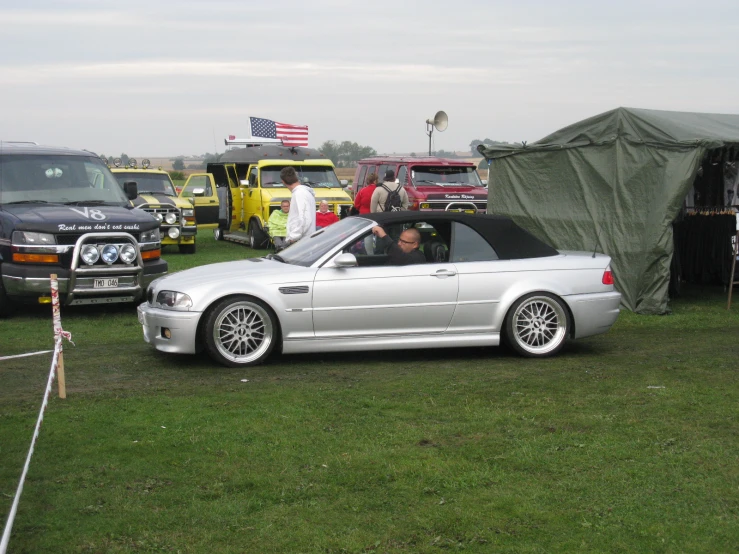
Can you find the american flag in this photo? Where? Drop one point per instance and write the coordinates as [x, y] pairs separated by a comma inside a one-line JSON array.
[[291, 135]]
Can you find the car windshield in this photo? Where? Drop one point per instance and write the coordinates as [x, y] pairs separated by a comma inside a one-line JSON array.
[[61, 179], [309, 250], [445, 176], [314, 176], [156, 183]]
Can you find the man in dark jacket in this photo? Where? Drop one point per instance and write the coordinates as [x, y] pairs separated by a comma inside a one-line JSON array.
[[405, 251]]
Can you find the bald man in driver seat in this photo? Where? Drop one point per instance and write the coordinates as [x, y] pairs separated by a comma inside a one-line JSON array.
[[405, 251]]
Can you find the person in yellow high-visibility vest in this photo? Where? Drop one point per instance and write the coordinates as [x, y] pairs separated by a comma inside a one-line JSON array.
[[277, 225]]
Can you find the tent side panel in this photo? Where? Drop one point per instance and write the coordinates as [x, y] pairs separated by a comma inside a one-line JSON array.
[[620, 196]]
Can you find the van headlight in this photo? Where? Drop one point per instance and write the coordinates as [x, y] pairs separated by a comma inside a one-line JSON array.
[[174, 300], [90, 254], [30, 237], [128, 254], [150, 236]]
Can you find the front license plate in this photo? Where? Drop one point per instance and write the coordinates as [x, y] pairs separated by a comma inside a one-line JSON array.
[[105, 283]]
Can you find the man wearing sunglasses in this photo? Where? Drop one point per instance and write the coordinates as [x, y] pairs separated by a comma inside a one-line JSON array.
[[405, 251]]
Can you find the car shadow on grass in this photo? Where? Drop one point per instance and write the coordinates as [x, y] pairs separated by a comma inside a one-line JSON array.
[[408, 357]]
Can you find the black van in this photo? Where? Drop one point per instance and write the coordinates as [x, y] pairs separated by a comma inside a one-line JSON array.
[[63, 212]]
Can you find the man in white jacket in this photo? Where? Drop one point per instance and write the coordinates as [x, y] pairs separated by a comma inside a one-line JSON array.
[[301, 220]]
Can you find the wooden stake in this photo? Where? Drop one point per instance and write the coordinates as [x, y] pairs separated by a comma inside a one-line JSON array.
[[60, 376], [61, 381]]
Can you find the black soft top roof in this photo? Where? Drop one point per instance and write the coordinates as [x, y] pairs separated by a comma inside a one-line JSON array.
[[510, 241], [253, 154]]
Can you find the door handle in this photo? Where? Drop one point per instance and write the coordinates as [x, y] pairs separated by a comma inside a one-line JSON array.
[[444, 273]]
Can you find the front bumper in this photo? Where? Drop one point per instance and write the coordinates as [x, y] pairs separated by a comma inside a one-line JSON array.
[[33, 281], [187, 235], [183, 328]]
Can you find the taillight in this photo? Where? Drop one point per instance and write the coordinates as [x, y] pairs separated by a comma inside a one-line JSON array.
[[608, 276]]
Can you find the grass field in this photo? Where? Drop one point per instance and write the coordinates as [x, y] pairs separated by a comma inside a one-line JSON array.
[[627, 442]]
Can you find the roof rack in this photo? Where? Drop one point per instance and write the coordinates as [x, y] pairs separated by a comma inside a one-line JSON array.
[[251, 141]]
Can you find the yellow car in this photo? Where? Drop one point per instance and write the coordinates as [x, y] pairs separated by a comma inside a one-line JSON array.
[[249, 187], [176, 213]]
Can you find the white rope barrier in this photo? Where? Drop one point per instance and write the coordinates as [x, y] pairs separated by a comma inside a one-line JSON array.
[[57, 368], [44, 403], [24, 355]]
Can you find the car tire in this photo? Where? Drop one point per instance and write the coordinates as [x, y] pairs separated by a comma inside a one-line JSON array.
[[537, 325], [6, 307], [187, 248], [218, 233], [240, 331]]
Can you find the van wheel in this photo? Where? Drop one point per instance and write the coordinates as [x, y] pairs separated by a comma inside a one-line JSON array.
[[537, 325], [256, 237], [187, 248], [218, 233], [240, 331], [250, 235]]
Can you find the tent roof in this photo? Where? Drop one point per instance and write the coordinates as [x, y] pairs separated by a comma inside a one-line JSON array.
[[653, 127]]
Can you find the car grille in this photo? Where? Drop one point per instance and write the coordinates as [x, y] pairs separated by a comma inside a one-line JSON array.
[[453, 205], [72, 239], [101, 241]]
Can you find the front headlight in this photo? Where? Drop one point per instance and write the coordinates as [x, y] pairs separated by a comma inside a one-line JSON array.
[[109, 254], [128, 254], [89, 254], [174, 300], [29, 237], [150, 236], [188, 213], [170, 218]]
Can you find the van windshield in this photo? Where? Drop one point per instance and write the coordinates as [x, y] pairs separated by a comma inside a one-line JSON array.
[[62, 179], [445, 176], [313, 176], [148, 183]]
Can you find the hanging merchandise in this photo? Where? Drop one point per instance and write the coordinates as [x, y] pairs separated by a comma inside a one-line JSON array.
[[703, 244]]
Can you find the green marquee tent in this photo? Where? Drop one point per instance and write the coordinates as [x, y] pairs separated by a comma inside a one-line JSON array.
[[614, 182]]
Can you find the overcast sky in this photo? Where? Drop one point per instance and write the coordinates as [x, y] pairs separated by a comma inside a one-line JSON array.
[[164, 78]]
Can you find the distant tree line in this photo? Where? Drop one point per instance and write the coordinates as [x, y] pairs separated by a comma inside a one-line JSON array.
[[346, 153]]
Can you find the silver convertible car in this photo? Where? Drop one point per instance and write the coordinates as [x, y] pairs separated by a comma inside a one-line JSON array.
[[476, 280]]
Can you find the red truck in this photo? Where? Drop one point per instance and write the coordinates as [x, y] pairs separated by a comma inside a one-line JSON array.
[[432, 184]]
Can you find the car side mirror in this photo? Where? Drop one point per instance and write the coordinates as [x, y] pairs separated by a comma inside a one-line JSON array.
[[198, 192], [346, 259], [344, 182], [131, 189], [485, 182]]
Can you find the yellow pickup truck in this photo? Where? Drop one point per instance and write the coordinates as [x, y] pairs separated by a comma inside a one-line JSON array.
[[158, 197], [249, 187]]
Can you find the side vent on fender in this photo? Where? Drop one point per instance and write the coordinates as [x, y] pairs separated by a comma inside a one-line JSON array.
[[294, 290]]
